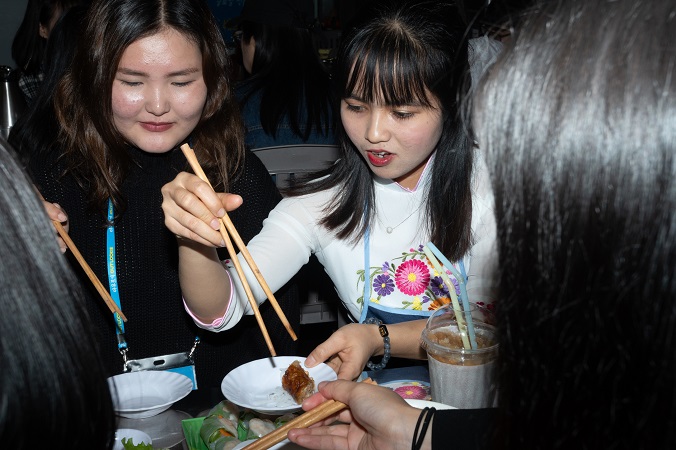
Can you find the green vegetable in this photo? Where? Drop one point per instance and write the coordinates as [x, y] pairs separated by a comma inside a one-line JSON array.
[[129, 445]]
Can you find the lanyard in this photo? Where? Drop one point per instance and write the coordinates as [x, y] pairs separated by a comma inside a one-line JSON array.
[[112, 276]]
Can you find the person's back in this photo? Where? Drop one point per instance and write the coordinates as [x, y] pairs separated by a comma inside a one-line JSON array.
[[53, 389], [36, 130], [30, 41], [578, 125], [286, 99]]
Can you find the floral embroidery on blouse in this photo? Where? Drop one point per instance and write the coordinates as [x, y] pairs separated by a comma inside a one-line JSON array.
[[412, 275]]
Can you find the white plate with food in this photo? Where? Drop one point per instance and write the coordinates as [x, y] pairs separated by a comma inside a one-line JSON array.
[[138, 395], [257, 385]]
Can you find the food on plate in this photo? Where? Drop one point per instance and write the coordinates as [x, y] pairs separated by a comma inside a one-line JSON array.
[[228, 425], [298, 382]]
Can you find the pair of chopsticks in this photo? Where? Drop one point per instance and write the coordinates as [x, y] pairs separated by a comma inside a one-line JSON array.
[[88, 270], [319, 413], [226, 226]]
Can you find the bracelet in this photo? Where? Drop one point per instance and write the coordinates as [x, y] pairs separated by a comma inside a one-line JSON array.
[[418, 440], [382, 329]]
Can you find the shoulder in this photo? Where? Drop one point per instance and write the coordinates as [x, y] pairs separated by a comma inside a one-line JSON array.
[[482, 191], [252, 170], [483, 51]]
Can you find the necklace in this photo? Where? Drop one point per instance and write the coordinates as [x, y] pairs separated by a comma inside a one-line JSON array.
[[390, 229]]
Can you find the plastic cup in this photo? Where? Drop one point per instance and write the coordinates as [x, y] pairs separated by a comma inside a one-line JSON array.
[[461, 377]]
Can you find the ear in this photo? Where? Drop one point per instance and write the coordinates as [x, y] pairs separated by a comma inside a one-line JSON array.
[[43, 32]]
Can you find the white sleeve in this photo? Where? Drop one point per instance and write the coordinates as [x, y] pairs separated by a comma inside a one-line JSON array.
[[282, 247], [482, 263]]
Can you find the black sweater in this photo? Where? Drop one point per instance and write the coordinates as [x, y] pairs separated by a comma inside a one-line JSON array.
[[147, 265]]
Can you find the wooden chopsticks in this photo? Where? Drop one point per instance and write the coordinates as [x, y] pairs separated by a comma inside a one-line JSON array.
[[226, 226], [319, 413], [88, 270]]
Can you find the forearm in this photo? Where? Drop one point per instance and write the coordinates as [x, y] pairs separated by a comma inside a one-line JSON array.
[[404, 340], [205, 283]]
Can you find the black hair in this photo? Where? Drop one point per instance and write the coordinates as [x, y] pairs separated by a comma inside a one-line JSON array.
[[36, 130], [577, 121], [290, 78], [28, 46], [54, 390], [396, 57]]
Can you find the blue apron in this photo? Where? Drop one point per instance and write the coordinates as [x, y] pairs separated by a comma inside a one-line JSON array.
[[387, 314]]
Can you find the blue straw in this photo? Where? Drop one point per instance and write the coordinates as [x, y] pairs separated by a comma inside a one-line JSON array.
[[463, 290]]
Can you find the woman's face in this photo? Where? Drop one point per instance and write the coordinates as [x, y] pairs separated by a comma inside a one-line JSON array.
[[395, 141], [159, 91]]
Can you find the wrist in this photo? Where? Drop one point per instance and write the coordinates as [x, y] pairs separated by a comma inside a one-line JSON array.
[[422, 435], [383, 334]]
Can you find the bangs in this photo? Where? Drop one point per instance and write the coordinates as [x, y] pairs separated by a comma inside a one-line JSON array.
[[387, 74]]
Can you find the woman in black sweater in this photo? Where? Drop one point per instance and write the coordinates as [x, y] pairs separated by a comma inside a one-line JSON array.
[[148, 77]]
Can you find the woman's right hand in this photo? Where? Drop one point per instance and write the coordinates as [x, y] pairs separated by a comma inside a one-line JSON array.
[[348, 349], [56, 213], [192, 209]]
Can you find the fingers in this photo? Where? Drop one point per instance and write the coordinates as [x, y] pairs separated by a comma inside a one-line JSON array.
[[326, 437], [345, 351], [192, 209], [313, 401], [323, 351], [339, 390], [56, 213], [230, 201]]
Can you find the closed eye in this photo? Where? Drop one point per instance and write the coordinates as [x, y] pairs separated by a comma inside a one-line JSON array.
[[131, 83], [354, 108], [403, 114]]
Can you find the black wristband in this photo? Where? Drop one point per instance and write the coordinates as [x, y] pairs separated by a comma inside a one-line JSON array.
[[418, 440], [382, 329]]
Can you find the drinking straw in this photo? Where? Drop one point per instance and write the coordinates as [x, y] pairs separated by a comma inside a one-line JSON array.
[[454, 297], [456, 273], [463, 290]]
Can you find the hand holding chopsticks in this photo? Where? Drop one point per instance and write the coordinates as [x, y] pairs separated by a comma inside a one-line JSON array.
[[305, 420], [227, 230], [88, 270]]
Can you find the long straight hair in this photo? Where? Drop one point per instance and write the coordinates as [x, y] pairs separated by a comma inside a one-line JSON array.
[[402, 53], [95, 151], [578, 122], [53, 389], [292, 82]]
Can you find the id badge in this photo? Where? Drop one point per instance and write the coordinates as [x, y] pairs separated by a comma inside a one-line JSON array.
[[177, 362]]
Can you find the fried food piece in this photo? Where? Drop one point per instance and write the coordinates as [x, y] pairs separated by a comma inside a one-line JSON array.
[[298, 382]]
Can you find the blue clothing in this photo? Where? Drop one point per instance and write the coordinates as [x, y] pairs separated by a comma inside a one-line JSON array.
[[256, 137]]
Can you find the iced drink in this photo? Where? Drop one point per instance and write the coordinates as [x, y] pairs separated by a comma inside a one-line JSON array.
[[460, 377]]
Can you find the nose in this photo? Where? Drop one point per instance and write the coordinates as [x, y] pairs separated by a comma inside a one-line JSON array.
[[376, 129], [157, 102]]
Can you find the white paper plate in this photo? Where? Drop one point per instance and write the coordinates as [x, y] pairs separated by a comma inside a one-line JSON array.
[[137, 436], [257, 385], [138, 395], [420, 404]]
